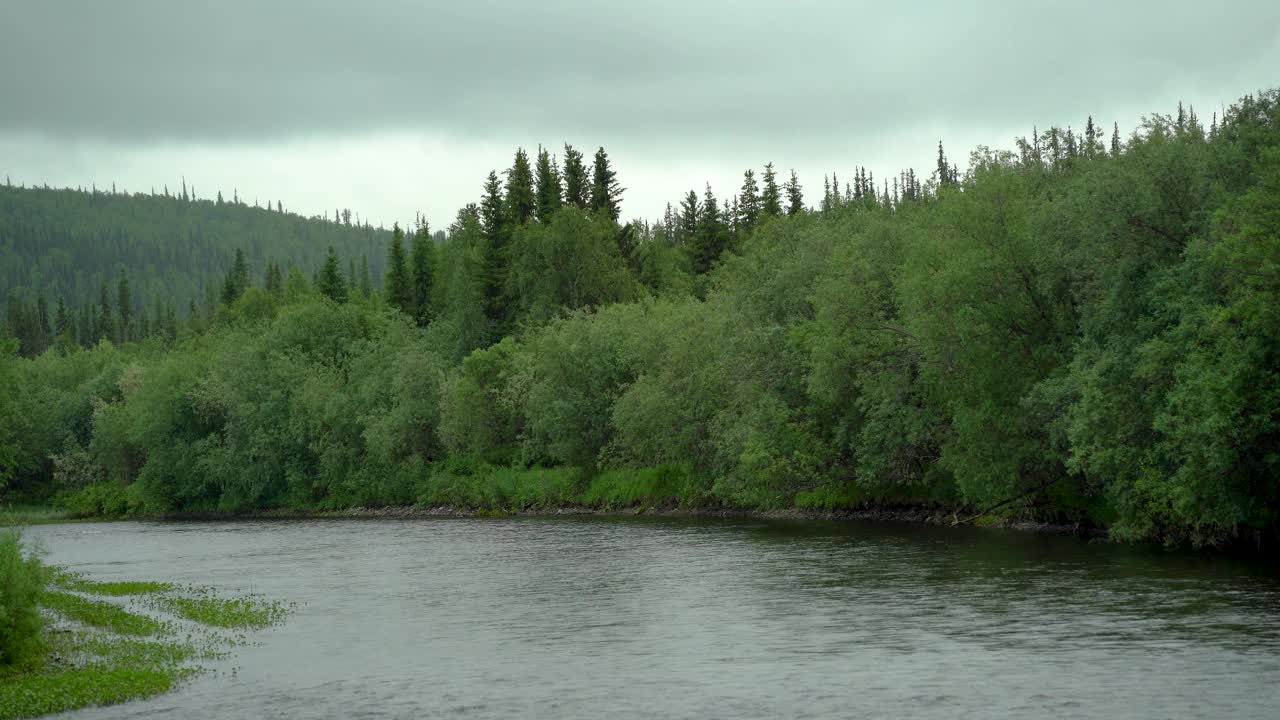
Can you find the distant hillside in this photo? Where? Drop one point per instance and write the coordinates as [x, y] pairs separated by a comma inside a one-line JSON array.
[[65, 243]]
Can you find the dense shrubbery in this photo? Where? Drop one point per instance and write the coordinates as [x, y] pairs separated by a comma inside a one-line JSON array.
[[1092, 334], [22, 582]]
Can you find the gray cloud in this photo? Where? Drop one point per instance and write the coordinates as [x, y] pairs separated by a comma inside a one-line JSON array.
[[143, 71]]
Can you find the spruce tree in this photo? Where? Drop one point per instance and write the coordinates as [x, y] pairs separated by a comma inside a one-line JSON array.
[[690, 214], [771, 199], [795, 195], [549, 192], [124, 308], [606, 193], [575, 178], [493, 223], [944, 168], [521, 203], [237, 279], [366, 283], [712, 236], [330, 281], [106, 327], [747, 210], [421, 263], [1115, 140], [396, 283]]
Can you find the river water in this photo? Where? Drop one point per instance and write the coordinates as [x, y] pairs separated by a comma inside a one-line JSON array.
[[662, 618]]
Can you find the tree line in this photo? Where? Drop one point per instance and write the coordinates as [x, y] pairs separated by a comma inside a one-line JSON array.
[[1073, 330]]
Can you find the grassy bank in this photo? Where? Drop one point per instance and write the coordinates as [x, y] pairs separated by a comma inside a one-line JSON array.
[[101, 643]]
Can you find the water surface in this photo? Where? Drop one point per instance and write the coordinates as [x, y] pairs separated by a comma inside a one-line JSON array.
[[630, 618]]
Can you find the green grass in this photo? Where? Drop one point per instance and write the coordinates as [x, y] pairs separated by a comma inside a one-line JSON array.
[[252, 613], [111, 655], [78, 582], [101, 614], [12, 515], [86, 669]]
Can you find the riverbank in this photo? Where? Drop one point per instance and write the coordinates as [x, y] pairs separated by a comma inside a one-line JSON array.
[[932, 515]]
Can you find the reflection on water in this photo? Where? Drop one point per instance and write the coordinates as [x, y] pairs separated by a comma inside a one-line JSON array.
[[589, 618]]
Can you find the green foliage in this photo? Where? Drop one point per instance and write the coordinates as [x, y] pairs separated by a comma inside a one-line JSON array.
[[1057, 333], [22, 588]]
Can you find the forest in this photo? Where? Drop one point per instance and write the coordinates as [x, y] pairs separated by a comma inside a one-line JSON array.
[[1083, 329]]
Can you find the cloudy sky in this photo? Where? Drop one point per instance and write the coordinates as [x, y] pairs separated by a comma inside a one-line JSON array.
[[391, 107]]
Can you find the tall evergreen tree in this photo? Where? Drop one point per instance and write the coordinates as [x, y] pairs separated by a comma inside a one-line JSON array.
[[124, 308], [396, 283], [521, 203], [105, 324], [549, 192], [690, 214], [795, 195], [576, 187], [712, 237], [771, 198], [747, 204], [1115, 140], [330, 281], [366, 282], [606, 193], [493, 223], [422, 266], [237, 279], [944, 168]]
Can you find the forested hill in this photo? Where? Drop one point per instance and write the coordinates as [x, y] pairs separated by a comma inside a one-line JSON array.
[[67, 244]]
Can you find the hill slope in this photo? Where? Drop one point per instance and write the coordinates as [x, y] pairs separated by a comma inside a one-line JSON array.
[[66, 243]]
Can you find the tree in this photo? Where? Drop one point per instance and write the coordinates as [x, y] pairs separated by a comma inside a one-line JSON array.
[[106, 326], [771, 198], [521, 203], [748, 204], [575, 178], [330, 281], [124, 308], [690, 212], [944, 168], [606, 193], [366, 282], [1115, 140], [274, 281], [397, 284], [712, 237], [421, 264], [549, 192], [237, 279], [493, 221], [795, 195]]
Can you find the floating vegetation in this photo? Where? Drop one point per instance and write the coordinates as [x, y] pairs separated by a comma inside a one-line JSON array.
[[77, 581], [203, 606], [144, 639]]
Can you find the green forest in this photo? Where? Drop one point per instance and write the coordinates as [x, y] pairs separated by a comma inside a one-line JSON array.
[[1084, 329]]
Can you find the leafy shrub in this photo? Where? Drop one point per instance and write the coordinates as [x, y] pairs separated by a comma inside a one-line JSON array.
[[22, 581]]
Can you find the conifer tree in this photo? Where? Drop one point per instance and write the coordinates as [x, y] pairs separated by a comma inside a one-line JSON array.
[[1115, 140], [521, 204], [606, 193], [105, 324], [944, 168], [689, 218], [549, 192], [62, 321], [124, 308], [575, 178], [422, 263], [366, 282], [747, 204], [396, 283], [712, 236], [771, 199], [274, 281], [493, 223], [237, 279], [330, 281], [795, 195]]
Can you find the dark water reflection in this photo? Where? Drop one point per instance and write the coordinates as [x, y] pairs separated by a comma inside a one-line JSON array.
[[589, 618]]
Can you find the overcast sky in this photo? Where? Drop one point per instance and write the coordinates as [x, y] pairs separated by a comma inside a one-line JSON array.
[[390, 107]]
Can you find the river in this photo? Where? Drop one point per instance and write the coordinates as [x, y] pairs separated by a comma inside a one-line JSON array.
[[697, 618]]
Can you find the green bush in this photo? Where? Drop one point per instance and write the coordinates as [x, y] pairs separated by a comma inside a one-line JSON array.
[[22, 581]]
